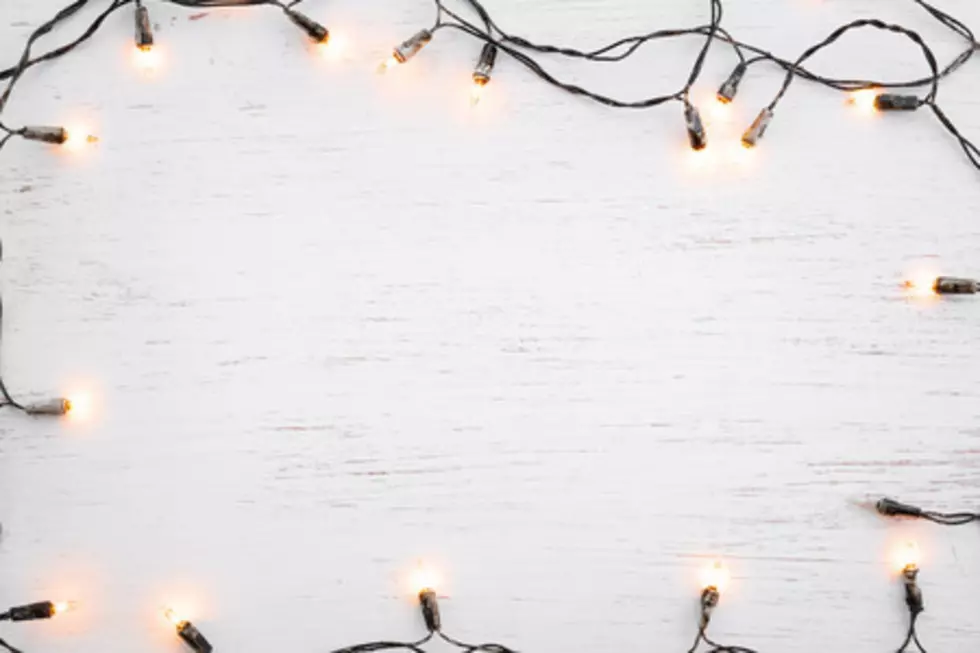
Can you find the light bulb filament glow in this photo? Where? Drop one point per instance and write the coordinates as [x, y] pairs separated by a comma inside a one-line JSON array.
[[715, 576]]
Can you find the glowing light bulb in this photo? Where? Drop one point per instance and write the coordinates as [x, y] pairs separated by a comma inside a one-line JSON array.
[[173, 617], [424, 578], [483, 71], [146, 58], [406, 50], [721, 111], [189, 633], [76, 139], [863, 100], [922, 283], [330, 49], [909, 556], [80, 406], [476, 93], [715, 576], [387, 64]]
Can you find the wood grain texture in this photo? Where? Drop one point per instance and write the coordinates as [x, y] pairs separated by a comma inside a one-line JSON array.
[[333, 323]]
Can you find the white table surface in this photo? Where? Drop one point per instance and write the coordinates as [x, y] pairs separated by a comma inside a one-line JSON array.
[[331, 323]]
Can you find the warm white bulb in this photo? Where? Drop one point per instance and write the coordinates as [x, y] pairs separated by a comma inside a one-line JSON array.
[[390, 62], [716, 576]]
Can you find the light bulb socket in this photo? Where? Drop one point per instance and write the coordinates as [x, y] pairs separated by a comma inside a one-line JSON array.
[[317, 32], [695, 127], [895, 102], [891, 508], [193, 637], [709, 601], [54, 407], [144, 33], [33, 611], [411, 46], [955, 286], [728, 90], [53, 135], [430, 610], [758, 128], [913, 594], [484, 67]]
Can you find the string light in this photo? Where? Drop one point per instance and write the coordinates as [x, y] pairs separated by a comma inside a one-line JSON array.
[[428, 603], [927, 285], [757, 129], [496, 40], [895, 102], [144, 33], [406, 50], [188, 632], [36, 611], [695, 128], [864, 100], [730, 87], [892, 508], [482, 72], [518, 48], [956, 286], [317, 32], [53, 135], [714, 579], [55, 407], [909, 557], [913, 594]]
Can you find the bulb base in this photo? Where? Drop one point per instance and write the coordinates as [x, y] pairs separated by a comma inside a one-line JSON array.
[[33, 611], [430, 610], [317, 32], [757, 129], [913, 595], [955, 286], [144, 33], [193, 637], [484, 67], [710, 597], [53, 135], [54, 407], [695, 128], [895, 102], [728, 90], [410, 47]]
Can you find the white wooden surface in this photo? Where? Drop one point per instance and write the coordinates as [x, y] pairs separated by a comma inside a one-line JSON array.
[[333, 323]]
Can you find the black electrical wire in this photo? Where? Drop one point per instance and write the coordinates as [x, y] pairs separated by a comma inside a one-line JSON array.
[[511, 44], [716, 647], [45, 28], [9, 648], [892, 508], [911, 636], [840, 31], [475, 648], [370, 647], [532, 65], [634, 42], [26, 62], [969, 148]]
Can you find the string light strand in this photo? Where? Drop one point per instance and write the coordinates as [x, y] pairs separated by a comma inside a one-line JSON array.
[[892, 508]]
